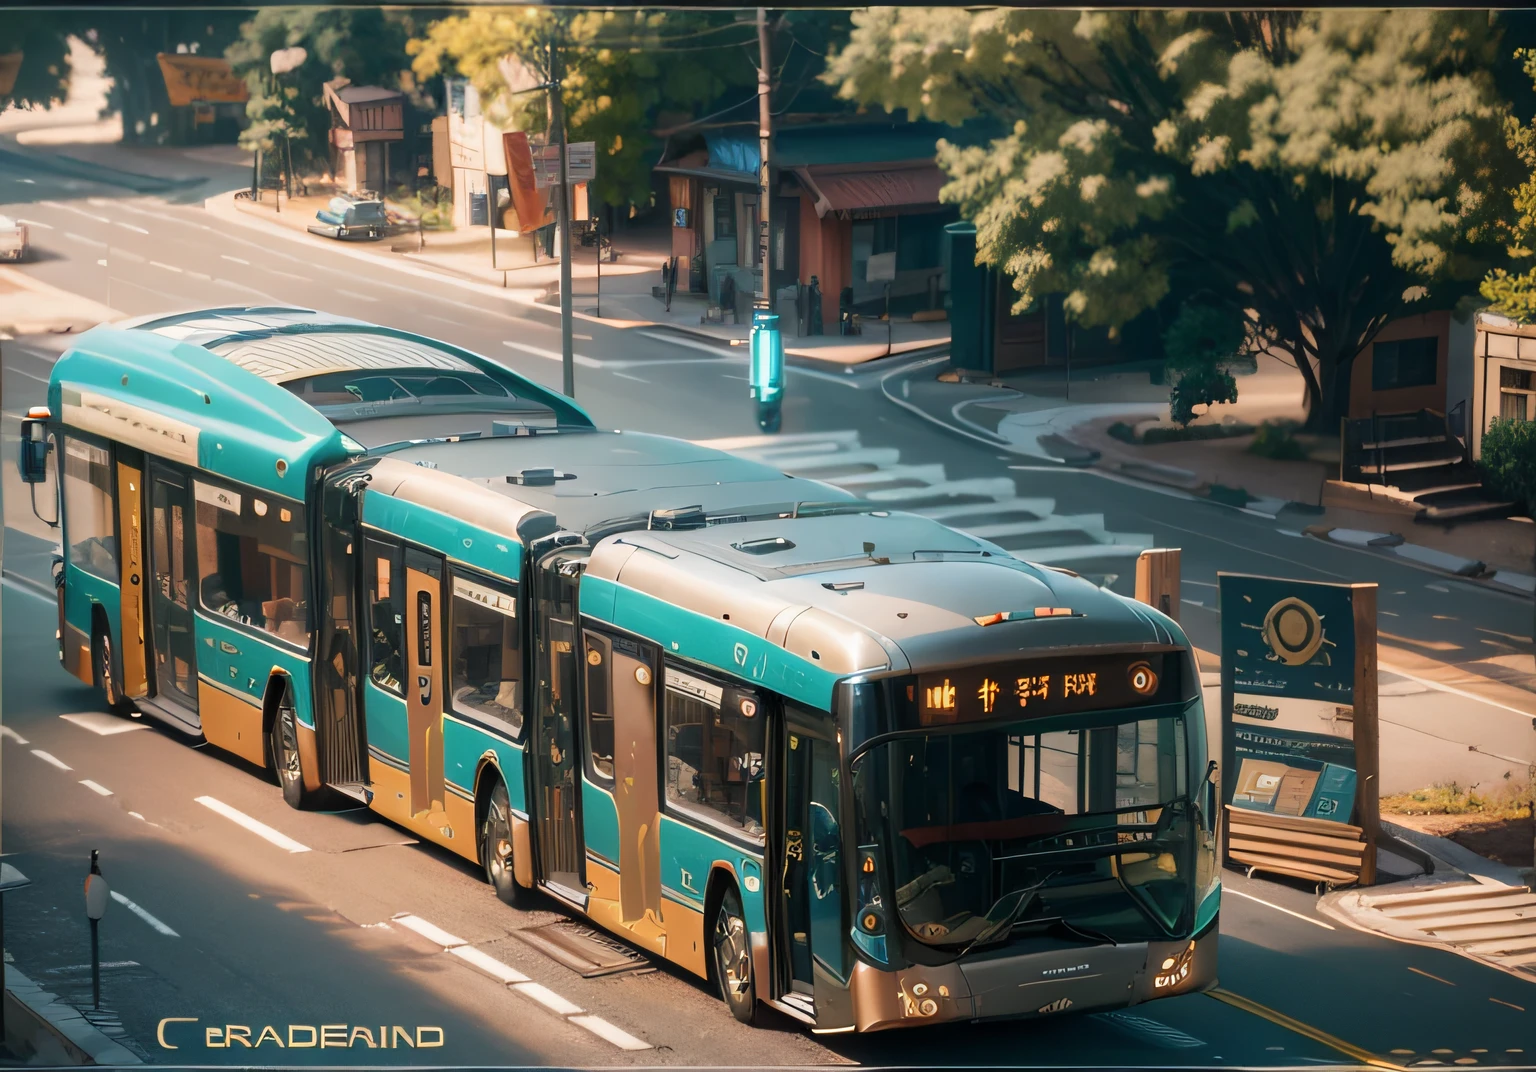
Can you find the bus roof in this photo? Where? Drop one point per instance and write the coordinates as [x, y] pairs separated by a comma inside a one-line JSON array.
[[237, 390]]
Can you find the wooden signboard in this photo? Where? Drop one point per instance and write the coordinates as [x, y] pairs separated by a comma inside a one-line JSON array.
[[1157, 580], [1299, 746], [200, 79]]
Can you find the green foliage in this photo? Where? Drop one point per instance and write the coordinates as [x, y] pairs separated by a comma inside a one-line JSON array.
[[1189, 433], [1122, 431], [1197, 347], [129, 40], [1509, 461], [1326, 171], [365, 45], [42, 39], [1514, 293], [1207, 386], [1276, 440], [625, 71]]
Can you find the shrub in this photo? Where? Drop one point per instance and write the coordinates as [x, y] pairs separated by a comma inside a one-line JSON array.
[[1191, 433], [1199, 344], [1123, 432], [1509, 461], [1276, 440]]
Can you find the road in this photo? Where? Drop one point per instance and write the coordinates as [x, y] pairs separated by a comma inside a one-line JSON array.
[[267, 935]]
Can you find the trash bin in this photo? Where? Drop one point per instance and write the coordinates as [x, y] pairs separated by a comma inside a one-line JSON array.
[[972, 290]]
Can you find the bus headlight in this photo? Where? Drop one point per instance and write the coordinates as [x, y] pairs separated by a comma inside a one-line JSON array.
[[1175, 969]]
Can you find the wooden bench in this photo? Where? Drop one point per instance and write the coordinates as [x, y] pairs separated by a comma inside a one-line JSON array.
[[1317, 850]]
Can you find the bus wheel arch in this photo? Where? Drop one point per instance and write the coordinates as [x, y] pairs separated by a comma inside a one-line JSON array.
[[494, 838], [280, 724], [729, 939], [102, 675]]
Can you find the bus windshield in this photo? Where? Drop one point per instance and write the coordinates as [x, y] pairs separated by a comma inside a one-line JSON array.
[[1082, 826]]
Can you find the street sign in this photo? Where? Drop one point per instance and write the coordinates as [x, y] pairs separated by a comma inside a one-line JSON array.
[[580, 163]]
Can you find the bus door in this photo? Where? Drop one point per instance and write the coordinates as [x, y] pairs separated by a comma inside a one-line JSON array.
[[338, 712], [554, 757], [424, 684], [812, 940], [171, 560], [131, 642]]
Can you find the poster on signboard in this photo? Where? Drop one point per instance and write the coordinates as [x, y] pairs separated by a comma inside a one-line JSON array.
[[193, 79], [1289, 654]]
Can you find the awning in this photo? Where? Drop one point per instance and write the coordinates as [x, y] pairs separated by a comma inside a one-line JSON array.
[[849, 188]]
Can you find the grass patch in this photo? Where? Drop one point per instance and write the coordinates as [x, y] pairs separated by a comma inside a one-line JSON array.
[[1276, 440], [1502, 802]]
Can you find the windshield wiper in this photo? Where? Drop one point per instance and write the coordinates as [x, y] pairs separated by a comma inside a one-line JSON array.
[[1026, 897]]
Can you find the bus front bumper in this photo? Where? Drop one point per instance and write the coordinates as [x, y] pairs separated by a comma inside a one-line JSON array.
[[1024, 985]]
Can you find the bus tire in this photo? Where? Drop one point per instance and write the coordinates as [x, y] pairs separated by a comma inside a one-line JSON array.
[[731, 945], [495, 840], [101, 655], [287, 763]]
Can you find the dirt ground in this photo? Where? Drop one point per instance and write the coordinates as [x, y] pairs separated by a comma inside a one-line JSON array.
[[1505, 841]]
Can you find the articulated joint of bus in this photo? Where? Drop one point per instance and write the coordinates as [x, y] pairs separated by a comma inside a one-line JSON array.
[[1032, 985]]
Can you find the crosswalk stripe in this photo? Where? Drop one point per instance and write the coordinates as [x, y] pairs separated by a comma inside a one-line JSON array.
[[743, 443], [987, 487], [928, 474], [1036, 507]]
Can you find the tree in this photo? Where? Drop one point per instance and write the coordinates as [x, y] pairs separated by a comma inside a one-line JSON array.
[[1317, 173], [366, 45], [1514, 293], [1199, 345], [623, 69], [130, 41], [42, 40]]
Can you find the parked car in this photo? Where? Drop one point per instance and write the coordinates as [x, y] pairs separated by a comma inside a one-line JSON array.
[[13, 239], [347, 217]]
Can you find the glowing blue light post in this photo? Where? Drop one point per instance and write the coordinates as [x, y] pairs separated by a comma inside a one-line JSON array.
[[767, 375]]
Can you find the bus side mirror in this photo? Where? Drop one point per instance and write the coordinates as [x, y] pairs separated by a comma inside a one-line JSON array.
[[33, 461]]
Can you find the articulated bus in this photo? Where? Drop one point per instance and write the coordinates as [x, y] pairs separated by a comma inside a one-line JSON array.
[[836, 759]]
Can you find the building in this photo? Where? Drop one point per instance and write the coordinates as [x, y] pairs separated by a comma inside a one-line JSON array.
[[365, 121], [846, 191]]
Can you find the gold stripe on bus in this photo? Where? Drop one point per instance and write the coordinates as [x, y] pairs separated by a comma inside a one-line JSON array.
[[128, 424], [130, 490], [230, 722]]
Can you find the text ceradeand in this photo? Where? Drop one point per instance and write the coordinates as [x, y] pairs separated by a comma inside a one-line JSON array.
[[300, 1036]]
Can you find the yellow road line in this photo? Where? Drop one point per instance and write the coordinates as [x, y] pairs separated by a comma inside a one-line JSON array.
[[1348, 1049], [1436, 978]]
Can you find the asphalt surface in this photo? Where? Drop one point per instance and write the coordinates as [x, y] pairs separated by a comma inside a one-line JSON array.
[[264, 935]]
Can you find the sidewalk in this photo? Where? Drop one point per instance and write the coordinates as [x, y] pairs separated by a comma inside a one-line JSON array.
[[618, 293], [31, 307], [40, 1028]]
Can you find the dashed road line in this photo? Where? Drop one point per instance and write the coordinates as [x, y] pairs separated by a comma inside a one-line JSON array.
[[430, 931], [355, 295], [7, 732], [144, 914], [1277, 908], [51, 759], [237, 260], [1333, 1042], [102, 725], [131, 227], [1517, 1008], [502, 973], [167, 267], [1436, 978], [548, 998], [260, 829], [552, 355], [609, 1033], [96, 787]]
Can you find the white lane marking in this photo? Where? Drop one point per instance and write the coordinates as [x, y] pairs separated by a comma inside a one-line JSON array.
[[431, 932], [96, 787], [627, 376], [167, 267], [104, 725], [488, 964], [35, 223], [548, 998], [355, 294], [237, 260], [77, 210], [51, 759], [290, 275], [139, 817], [608, 1033], [552, 355], [102, 262], [1277, 908], [144, 915], [1389, 668], [1291, 532], [260, 829], [584, 338], [87, 967], [131, 227], [1192, 602], [6, 731], [81, 238]]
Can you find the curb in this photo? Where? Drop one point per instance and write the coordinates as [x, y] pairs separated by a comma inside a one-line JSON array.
[[54, 1032], [1392, 545]]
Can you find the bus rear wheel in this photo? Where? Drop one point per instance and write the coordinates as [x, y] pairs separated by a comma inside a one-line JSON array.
[[115, 702], [496, 849], [733, 958], [286, 760]]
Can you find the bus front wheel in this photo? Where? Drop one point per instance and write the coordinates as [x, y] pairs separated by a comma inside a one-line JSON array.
[[733, 958], [286, 761], [496, 849], [104, 678]]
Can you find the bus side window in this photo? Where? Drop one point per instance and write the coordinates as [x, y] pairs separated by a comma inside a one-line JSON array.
[[599, 656], [88, 507], [386, 615], [715, 746], [486, 652], [253, 560]]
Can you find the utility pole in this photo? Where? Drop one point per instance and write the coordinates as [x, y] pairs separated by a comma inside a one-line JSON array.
[[764, 169], [563, 210]]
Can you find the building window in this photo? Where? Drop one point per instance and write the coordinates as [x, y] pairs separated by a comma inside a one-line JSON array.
[[1404, 363], [599, 653], [487, 653], [88, 509], [253, 561], [1515, 392], [386, 616], [715, 744]]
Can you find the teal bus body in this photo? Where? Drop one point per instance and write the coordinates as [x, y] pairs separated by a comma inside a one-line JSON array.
[[455, 509]]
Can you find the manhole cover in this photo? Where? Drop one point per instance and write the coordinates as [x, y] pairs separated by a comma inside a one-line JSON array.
[[583, 949]]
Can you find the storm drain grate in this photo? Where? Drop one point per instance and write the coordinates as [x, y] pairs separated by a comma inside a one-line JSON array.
[[588, 952]]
